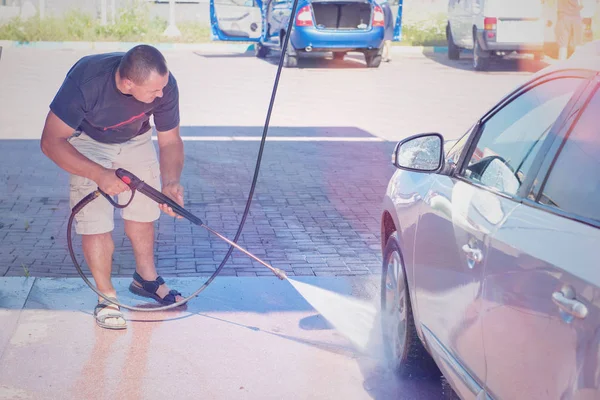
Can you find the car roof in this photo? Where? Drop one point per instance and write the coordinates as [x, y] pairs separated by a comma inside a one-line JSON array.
[[587, 57]]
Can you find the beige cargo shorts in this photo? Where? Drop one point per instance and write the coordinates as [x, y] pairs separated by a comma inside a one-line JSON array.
[[137, 156]]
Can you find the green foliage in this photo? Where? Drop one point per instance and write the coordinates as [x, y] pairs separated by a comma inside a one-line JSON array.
[[429, 32], [133, 24]]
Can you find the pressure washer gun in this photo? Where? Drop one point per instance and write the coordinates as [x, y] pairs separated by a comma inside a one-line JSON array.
[[136, 184]]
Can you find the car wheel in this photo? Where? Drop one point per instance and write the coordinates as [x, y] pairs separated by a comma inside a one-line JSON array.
[[481, 58], [261, 51], [339, 56], [373, 60], [403, 348], [453, 49], [289, 60]]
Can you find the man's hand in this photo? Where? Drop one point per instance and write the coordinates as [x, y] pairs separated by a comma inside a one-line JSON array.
[[171, 164], [110, 184], [174, 191]]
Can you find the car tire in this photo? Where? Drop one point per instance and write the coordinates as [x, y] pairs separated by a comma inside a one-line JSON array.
[[373, 60], [481, 58], [453, 49], [405, 353], [289, 60], [261, 51], [339, 56]]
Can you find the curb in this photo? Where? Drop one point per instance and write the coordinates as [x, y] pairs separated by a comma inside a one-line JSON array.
[[220, 47], [418, 49]]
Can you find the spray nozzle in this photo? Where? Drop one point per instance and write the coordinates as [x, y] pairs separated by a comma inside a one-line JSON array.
[[279, 273]]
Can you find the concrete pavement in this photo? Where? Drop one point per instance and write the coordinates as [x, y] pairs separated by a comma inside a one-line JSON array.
[[316, 212], [242, 338]]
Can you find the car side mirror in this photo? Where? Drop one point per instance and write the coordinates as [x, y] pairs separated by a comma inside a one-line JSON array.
[[420, 153]]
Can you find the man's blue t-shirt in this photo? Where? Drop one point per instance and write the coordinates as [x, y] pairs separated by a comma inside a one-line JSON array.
[[89, 101]]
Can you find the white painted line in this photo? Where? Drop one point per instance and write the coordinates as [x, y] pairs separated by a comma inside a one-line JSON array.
[[277, 139]]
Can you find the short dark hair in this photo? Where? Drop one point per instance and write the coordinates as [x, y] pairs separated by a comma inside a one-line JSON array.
[[139, 62]]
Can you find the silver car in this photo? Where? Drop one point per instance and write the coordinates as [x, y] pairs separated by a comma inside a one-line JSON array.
[[491, 245]]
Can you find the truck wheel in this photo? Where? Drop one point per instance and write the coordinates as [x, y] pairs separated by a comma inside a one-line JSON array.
[[453, 49], [481, 58]]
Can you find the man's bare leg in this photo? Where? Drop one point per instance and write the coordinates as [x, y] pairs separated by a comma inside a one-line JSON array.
[[141, 235], [98, 251], [562, 53]]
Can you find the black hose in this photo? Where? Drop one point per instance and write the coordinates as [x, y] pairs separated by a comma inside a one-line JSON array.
[[92, 196]]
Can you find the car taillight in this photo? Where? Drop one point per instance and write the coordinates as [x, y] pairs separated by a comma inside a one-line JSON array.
[[304, 17], [489, 24], [378, 18]]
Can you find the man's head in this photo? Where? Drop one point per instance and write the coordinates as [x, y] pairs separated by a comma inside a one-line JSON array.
[[143, 73]]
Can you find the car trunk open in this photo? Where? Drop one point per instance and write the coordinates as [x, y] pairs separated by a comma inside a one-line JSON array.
[[346, 15]]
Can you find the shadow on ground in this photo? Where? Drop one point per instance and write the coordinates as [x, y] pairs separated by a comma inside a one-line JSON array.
[[235, 323], [311, 61], [521, 63], [315, 209]]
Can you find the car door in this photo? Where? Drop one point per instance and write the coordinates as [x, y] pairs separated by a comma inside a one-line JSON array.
[[541, 324], [461, 213], [236, 20], [468, 21], [278, 14], [456, 16], [396, 6]]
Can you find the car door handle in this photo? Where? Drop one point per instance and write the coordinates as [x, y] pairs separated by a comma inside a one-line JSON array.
[[570, 306], [472, 254]]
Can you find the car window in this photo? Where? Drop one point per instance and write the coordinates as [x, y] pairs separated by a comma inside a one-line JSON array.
[[454, 150], [512, 137], [574, 181]]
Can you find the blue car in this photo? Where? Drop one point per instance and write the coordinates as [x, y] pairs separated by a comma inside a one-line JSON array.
[[319, 27]]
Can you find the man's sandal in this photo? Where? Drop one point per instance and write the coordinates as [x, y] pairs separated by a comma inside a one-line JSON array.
[[149, 288], [101, 318]]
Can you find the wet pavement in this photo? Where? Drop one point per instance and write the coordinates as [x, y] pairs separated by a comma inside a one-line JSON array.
[[243, 338]]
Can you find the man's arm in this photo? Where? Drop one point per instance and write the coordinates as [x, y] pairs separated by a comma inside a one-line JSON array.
[[170, 148], [54, 145]]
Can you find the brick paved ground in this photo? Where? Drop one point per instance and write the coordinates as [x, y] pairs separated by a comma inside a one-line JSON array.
[[316, 209], [317, 203]]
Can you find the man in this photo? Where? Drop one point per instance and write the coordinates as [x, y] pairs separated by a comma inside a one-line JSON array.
[[389, 30], [98, 122]]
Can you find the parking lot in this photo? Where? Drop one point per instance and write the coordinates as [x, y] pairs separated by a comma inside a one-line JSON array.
[[325, 167], [315, 215]]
